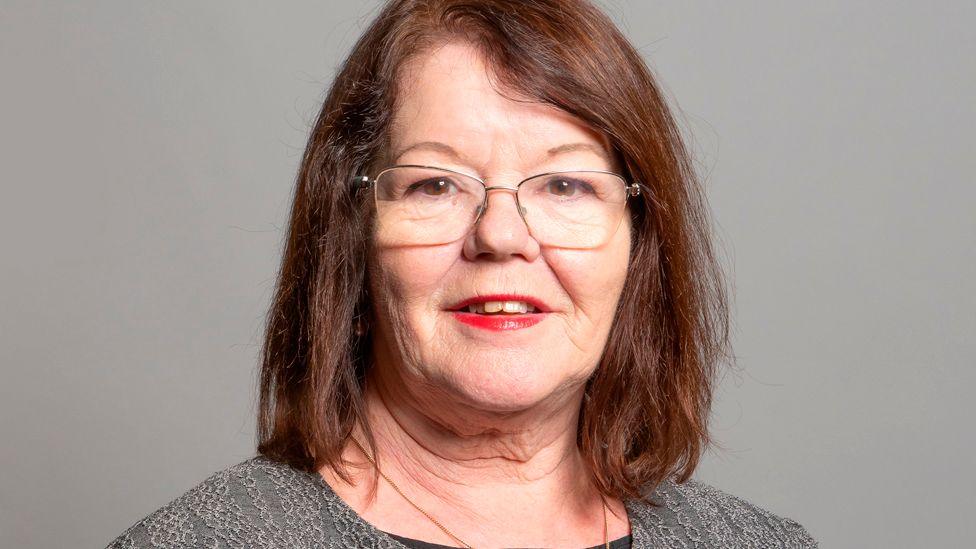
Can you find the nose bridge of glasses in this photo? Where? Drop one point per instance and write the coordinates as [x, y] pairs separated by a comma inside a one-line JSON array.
[[484, 204]]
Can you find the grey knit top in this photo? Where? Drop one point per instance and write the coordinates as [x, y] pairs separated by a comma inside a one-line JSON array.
[[262, 503]]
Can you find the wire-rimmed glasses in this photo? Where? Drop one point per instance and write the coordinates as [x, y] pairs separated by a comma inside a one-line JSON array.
[[427, 205]]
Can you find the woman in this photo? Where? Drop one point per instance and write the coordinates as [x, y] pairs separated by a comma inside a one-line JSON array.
[[498, 319]]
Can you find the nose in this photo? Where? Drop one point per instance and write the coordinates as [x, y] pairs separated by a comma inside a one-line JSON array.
[[500, 232]]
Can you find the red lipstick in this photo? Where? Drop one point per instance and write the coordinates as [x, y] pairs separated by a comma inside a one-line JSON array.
[[500, 321]]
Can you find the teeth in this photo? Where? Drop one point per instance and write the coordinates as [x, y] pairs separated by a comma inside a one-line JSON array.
[[512, 307]]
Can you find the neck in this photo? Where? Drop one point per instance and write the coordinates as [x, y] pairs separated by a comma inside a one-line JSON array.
[[462, 452], [491, 478]]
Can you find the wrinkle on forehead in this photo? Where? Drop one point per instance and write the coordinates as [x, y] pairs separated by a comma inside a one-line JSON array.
[[502, 125]]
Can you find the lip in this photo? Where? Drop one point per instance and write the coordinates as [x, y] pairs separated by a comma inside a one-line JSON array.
[[539, 305], [503, 321], [500, 322]]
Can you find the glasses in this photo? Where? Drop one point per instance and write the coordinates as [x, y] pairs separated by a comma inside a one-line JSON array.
[[426, 205]]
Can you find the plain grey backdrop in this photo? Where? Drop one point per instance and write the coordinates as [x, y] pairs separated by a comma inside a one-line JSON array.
[[149, 151]]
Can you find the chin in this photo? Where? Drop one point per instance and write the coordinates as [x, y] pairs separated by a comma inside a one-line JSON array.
[[505, 388]]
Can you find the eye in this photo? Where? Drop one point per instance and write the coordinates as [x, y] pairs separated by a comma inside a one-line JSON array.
[[567, 187], [432, 187]]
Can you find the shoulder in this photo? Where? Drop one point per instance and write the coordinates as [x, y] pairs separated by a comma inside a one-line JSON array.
[[695, 514], [255, 503]]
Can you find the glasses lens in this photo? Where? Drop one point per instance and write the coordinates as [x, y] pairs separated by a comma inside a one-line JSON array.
[[417, 205], [573, 209]]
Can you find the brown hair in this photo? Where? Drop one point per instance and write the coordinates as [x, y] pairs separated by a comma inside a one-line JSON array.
[[645, 414]]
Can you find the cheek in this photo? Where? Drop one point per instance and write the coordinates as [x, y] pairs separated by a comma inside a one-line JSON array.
[[592, 279], [593, 289], [413, 278]]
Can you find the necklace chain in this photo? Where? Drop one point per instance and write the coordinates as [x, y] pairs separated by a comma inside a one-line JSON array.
[[606, 534]]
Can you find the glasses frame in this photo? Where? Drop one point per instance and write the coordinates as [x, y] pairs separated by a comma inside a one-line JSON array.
[[359, 182]]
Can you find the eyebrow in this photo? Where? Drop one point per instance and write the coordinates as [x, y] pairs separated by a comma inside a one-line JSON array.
[[443, 148]]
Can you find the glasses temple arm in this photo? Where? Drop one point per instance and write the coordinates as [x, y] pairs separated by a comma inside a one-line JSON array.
[[634, 189], [359, 182]]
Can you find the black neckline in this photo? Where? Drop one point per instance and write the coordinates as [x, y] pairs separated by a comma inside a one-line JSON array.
[[421, 544]]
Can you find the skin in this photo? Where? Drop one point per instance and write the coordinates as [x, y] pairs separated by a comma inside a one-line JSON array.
[[478, 427]]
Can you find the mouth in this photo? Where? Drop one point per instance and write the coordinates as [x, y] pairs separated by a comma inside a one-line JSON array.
[[499, 312], [500, 304]]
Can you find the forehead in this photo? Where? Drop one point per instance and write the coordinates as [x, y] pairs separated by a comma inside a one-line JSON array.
[[447, 97]]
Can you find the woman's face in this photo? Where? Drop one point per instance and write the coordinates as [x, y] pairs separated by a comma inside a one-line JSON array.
[[419, 343]]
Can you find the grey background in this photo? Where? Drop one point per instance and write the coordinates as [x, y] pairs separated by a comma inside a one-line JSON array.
[[149, 151]]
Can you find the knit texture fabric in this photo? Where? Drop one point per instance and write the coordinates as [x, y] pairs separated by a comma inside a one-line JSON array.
[[263, 503]]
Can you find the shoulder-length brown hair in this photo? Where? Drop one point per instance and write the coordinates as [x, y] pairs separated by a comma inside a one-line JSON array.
[[646, 409]]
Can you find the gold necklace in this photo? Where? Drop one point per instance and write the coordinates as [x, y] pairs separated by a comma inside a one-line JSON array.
[[606, 534]]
